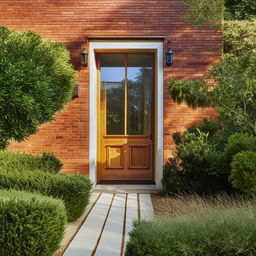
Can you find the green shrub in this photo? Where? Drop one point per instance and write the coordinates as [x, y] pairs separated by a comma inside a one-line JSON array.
[[36, 82], [239, 37], [206, 126], [51, 162], [240, 9], [220, 232], [31, 224], [243, 171], [74, 190], [195, 167], [239, 142], [27, 162]]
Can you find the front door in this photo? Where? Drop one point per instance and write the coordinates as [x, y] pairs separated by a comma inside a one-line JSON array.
[[125, 116]]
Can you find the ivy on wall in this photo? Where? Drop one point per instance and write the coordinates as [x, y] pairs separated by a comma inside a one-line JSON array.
[[202, 12]]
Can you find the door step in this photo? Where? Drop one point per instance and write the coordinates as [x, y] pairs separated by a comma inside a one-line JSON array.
[[126, 189]]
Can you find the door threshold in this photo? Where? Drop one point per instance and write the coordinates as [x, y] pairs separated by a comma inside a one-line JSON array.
[[126, 188], [126, 182]]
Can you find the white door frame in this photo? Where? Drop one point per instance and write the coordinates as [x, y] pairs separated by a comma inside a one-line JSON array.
[[114, 45]]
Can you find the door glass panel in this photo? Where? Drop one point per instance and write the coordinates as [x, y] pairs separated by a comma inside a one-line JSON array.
[[112, 79], [139, 89]]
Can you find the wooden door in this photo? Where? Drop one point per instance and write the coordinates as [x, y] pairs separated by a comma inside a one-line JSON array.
[[125, 116]]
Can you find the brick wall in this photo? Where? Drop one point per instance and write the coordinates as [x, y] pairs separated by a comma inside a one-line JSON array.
[[70, 21]]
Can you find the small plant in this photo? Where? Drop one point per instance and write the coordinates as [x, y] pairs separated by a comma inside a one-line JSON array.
[[31, 224]]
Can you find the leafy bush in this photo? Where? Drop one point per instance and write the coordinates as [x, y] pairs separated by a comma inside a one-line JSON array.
[[239, 142], [196, 166], [31, 224], [243, 171], [27, 162], [222, 232], [240, 9], [239, 37], [51, 162], [36, 82], [206, 126], [217, 130], [74, 190]]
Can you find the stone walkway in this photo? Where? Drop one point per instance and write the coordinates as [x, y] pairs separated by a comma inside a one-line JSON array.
[[106, 228]]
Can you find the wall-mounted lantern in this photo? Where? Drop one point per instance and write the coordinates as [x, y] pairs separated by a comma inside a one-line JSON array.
[[75, 91], [83, 55], [169, 54]]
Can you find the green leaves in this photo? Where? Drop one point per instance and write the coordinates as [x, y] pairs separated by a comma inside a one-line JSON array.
[[193, 92], [31, 224], [214, 231], [202, 12], [239, 37], [74, 190], [14, 161], [36, 81], [234, 93], [240, 9], [243, 171]]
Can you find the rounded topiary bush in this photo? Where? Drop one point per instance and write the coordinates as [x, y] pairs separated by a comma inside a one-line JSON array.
[[36, 82], [12, 161], [73, 189], [239, 142], [243, 171], [31, 224]]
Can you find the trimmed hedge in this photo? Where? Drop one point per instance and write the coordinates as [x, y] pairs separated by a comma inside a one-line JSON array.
[[243, 171], [239, 142], [74, 190], [31, 224], [220, 232], [27, 162]]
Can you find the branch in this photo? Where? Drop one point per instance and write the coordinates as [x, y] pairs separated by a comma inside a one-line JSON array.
[[242, 117]]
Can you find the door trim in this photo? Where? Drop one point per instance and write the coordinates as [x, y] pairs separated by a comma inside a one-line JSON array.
[[96, 46]]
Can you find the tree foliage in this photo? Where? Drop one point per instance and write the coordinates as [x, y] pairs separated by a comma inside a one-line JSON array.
[[36, 81], [240, 9], [204, 11], [234, 95], [200, 12], [239, 37]]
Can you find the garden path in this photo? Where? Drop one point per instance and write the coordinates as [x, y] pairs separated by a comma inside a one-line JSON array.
[[105, 231]]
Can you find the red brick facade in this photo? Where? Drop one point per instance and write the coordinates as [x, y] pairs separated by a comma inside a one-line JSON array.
[[70, 21]]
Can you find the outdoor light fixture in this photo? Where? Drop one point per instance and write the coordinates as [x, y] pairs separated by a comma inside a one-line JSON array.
[[84, 55], [169, 54], [75, 91]]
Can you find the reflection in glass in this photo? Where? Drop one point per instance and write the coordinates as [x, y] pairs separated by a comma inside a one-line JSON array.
[[112, 77], [139, 88]]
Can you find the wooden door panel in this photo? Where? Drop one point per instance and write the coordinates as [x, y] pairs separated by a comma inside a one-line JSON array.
[[114, 156], [139, 156]]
